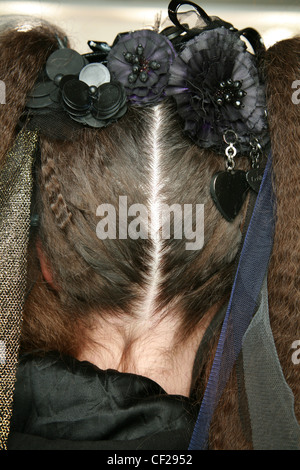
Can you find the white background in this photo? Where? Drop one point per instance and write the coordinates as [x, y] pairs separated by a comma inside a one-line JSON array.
[[102, 20]]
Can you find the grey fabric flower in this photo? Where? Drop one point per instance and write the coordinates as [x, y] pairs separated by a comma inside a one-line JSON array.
[[141, 62], [216, 86]]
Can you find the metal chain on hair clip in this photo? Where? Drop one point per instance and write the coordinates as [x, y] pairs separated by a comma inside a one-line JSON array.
[[255, 175], [256, 152], [230, 151]]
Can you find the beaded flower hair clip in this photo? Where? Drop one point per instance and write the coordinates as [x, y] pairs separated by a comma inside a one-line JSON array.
[[208, 70]]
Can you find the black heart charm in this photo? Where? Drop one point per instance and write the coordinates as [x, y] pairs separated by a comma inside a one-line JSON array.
[[228, 190], [254, 178]]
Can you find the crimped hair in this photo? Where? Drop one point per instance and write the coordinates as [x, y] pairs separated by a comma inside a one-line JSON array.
[[146, 157]]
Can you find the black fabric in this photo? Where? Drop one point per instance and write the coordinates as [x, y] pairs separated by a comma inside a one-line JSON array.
[[60, 402], [167, 440]]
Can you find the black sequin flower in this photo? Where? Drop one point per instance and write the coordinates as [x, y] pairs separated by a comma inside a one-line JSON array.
[[141, 62], [216, 86], [93, 106]]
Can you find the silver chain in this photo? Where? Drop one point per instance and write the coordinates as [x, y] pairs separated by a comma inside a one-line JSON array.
[[230, 151]]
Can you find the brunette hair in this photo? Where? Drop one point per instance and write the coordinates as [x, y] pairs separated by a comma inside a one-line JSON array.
[[146, 157]]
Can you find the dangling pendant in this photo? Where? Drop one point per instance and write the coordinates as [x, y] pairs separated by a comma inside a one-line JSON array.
[[229, 188], [254, 178], [255, 175], [229, 191]]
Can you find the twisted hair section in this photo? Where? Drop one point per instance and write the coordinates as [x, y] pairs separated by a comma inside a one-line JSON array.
[[56, 199]]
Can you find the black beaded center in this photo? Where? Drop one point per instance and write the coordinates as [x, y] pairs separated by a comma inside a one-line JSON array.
[[230, 92], [140, 65]]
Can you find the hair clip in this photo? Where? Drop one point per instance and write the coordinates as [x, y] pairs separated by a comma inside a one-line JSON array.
[[173, 8], [100, 52], [207, 70], [209, 22]]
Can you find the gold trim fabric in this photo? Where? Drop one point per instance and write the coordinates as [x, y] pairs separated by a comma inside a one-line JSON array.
[[15, 201]]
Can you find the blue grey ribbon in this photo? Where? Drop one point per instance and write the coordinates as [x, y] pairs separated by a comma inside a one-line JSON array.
[[244, 300], [270, 400]]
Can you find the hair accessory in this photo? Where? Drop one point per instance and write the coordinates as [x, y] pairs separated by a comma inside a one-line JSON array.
[[94, 75], [174, 6], [244, 300], [64, 61], [207, 70], [83, 90], [229, 188], [216, 86], [255, 175], [141, 61]]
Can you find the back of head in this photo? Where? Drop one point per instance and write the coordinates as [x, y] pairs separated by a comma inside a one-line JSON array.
[[120, 177], [142, 159]]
